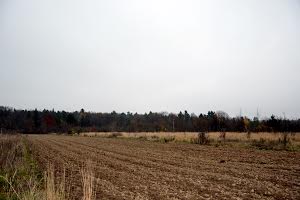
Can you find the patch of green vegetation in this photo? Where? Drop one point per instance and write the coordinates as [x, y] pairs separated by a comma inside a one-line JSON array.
[[280, 144], [20, 177], [167, 139], [31, 165]]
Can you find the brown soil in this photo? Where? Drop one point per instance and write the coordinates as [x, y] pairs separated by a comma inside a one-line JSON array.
[[135, 169]]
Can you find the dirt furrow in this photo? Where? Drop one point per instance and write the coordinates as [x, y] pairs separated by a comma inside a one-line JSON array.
[[133, 169]]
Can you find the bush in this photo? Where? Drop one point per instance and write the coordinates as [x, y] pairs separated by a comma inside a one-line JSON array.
[[142, 137], [222, 135], [285, 140], [280, 144], [154, 138], [248, 135], [115, 135], [263, 144], [202, 138], [167, 139]]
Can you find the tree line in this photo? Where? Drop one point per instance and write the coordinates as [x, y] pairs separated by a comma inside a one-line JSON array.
[[47, 121]]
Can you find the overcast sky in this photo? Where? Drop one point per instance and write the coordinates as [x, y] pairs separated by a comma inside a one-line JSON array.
[[158, 55]]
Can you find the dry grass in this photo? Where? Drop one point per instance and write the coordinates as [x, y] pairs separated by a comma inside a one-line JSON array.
[[19, 178], [88, 181], [54, 191], [254, 136], [11, 151], [192, 136], [55, 187]]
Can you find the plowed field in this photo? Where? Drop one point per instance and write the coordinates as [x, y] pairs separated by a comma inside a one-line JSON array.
[[135, 169]]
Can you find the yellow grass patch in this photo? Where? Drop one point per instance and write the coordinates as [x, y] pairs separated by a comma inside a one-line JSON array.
[[188, 136]]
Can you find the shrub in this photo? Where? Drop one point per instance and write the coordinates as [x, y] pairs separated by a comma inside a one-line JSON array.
[[115, 135], [167, 139], [202, 138], [154, 138], [222, 135], [142, 137], [248, 135], [285, 140], [280, 144], [262, 144]]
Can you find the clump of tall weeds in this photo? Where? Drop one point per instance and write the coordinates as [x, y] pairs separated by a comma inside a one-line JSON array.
[[222, 135], [283, 143], [88, 181], [202, 139], [18, 177], [21, 179], [54, 189], [115, 135]]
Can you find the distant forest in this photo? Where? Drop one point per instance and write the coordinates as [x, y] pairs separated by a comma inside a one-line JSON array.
[[48, 121]]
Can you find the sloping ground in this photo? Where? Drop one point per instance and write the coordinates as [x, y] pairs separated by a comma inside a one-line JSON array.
[[134, 169]]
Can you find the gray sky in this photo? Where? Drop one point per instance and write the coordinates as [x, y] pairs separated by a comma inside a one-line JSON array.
[[158, 55]]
